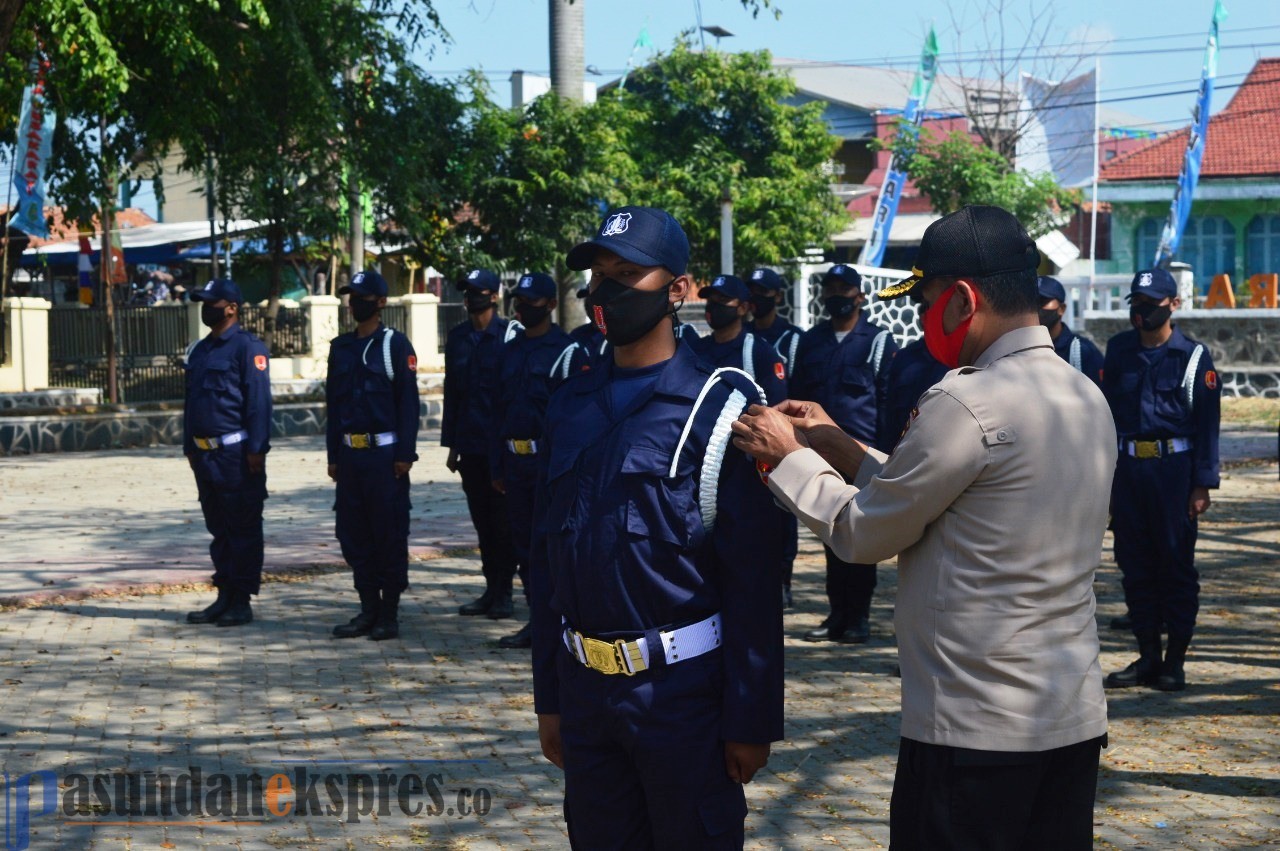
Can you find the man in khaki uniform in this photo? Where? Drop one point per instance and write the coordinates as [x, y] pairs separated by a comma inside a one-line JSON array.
[[995, 502]]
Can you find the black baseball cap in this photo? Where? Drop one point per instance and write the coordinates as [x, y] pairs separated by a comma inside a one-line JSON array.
[[481, 279], [646, 236], [767, 278], [977, 240], [729, 286], [535, 285], [217, 290], [845, 274], [1156, 283], [1051, 288], [367, 282]]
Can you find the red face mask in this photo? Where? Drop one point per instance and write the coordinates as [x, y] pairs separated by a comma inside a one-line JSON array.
[[943, 346]]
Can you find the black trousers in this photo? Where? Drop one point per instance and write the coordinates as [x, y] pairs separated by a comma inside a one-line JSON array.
[[488, 510], [372, 520], [231, 499], [849, 586], [956, 799]]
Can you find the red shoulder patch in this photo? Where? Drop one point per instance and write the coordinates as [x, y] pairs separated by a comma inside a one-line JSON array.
[[413, 362], [763, 470], [1211, 379], [260, 361], [780, 371]]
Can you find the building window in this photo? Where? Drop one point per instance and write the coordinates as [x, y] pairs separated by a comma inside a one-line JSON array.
[[1262, 246], [1208, 246]]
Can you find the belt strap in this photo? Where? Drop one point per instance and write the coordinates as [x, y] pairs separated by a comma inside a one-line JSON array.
[[1155, 448], [630, 657], [522, 447], [369, 441], [209, 443]]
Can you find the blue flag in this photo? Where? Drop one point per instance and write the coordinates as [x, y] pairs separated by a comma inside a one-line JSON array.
[[35, 140], [1180, 209]]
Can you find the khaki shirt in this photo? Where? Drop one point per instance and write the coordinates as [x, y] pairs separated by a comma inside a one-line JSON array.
[[995, 502]]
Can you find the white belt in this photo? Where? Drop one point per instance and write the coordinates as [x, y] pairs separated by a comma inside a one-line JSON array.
[[1155, 448], [232, 439], [631, 657], [368, 441]]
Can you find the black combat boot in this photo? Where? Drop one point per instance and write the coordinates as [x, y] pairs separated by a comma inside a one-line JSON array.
[[519, 640], [362, 623], [832, 629], [213, 612], [479, 606], [859, 629], [1172, 677], [1145, 669], [239, 612], [502, 606], [388, 625]]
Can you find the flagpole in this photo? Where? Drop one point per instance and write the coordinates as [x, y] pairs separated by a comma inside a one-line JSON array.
[[1097, 130]]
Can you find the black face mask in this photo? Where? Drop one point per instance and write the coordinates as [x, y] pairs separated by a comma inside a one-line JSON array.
[[721, 315], [478, 301], [763, 305], [212, 316], [531, 316], [362, 309], [625, 314], [840, 306], [1049, 318], [1150, 317]]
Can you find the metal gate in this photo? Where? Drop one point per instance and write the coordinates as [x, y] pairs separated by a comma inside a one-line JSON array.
[[150, 342]]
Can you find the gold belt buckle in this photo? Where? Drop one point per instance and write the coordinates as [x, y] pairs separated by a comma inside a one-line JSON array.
[[204, 443], [1147, 448], [602, 656], [359, 441], [522, 447]]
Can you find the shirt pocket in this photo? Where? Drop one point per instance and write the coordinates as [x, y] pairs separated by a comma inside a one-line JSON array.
[[1169, 396], [856, 379], [659, 506], [217, 377]]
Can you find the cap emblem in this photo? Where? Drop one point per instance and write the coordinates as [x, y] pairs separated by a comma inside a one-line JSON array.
[[616, 224]]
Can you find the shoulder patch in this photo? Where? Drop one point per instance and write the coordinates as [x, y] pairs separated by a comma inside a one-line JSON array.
[[413, 362], [779, 371], [260, 361], [1211, 379], [763, 470]]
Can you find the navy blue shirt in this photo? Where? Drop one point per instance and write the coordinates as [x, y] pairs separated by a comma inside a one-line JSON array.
[[912, 372], [783, 336], [1148, 399], [471, 363], [842, 376], [360, 396], [765, 367], [620, 545], [592, 341], [228, 390], [1090, 357], [530, 370]]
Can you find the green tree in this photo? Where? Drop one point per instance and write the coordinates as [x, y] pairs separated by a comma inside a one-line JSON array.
[[699, 123], [955, 170]]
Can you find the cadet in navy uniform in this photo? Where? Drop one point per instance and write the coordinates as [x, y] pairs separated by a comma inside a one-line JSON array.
[[842, 364], [226, 430], [912, 372], [766, 294], [657, 632], [371, 398], [1164, 396], [730, 344], [534, 363], [1082, 354], [472, 356]]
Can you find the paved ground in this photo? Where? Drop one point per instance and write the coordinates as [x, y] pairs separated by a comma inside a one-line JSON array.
[[117, 683]]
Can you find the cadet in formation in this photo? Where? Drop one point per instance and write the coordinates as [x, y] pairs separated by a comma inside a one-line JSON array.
[[657, 628], [536, 361], [842, 363], [472, 358], [371, 398], [226, 434], [1081, 353], [1164, 396], [730, 344]]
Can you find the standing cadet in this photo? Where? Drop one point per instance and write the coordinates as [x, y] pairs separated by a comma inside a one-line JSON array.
[[912, 372], [1164, 395], [1082, 354], [371, 398], [657, 632], [534, 363], [842, 363], [588, 335], [472, 355], [226, 430], [994, 502], [767, 288], [730, 344]]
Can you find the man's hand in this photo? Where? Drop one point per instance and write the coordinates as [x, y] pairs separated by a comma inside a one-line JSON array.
[[766, 434], [333, 472], [499, 485], [451, 463], [742, 760], [1199, 502], [549, 736], [256, 461], [402, 468]]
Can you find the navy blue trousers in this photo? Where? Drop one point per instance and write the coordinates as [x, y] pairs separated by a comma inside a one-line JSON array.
[[850, 587], [643, 759], [520, 475], [231, 500], [489, 515], [372, 508], [1155, 542]]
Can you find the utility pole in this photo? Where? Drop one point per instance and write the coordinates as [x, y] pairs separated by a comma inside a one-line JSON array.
[[568, 67], [106, 219]]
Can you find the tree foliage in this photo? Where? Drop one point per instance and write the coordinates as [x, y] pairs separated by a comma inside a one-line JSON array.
[[955, 170]]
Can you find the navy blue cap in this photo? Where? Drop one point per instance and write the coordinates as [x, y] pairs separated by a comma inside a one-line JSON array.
[[481, 279], [1153, 283], [844, 273], [646, 236], [367, 282], [728, 286], [767, 278], [1051, 288], [535, 285], [218, 289]]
